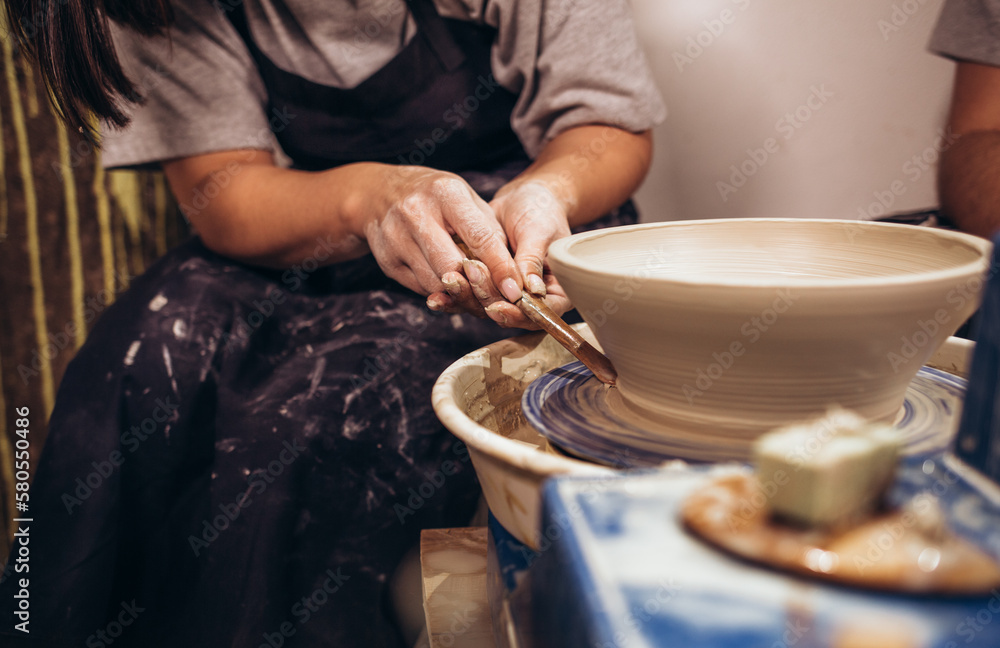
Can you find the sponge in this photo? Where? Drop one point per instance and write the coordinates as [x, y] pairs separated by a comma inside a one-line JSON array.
[[828, 472]]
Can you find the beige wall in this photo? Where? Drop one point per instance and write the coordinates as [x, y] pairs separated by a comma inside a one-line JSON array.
[[877, 100]]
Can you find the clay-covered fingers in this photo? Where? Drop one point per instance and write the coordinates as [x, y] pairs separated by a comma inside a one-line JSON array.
[[412, 242], [444, 259], [530, 259], [457, 296], [475, 223], [401, 258], [482, 286], [502, 311], [555, 296], [533, 218], [496, 306]]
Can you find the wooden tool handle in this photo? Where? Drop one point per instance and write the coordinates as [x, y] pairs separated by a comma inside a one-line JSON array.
[[536, 310]]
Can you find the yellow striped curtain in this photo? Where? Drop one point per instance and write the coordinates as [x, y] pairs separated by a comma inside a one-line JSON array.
[[71, 237]]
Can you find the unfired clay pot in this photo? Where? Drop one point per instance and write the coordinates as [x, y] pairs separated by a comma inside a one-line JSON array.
[[734, 327]]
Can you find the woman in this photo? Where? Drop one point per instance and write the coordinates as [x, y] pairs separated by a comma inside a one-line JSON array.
[[256, 408]]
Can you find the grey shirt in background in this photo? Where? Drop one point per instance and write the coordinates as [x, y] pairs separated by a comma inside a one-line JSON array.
[[969, 30], [572, 62]]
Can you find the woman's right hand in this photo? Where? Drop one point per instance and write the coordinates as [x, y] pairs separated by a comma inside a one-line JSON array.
[[248, 208], [409, 224]]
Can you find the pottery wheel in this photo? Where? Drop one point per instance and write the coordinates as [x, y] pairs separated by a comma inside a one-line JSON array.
[[587, 419]]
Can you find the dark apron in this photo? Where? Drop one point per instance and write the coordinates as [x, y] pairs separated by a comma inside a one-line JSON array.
[[435, 104], [240, 457]]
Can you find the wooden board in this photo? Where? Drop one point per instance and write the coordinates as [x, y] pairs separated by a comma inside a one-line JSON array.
[[453, 565]]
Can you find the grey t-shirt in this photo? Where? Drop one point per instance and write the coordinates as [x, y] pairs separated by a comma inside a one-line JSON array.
[[572, 62], [969, 30]]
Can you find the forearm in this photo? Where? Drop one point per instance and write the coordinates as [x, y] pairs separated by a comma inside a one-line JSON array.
[[252, 211], [590, 169], [969, 182], [246, 208]]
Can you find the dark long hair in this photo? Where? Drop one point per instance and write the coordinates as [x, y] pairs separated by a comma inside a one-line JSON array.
[[71, 42]]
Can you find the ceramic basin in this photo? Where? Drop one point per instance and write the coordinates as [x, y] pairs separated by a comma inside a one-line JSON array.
[[734, 327], [478, 398]]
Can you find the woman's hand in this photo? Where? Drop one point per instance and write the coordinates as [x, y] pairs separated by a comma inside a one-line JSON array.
[[530, 217], [246, 207], [266, 215], [581, 174], [533, 217], [409, 230], [412, 242]]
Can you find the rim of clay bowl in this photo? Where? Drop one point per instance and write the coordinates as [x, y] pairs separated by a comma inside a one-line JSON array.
[[561, 253], [518, 454]]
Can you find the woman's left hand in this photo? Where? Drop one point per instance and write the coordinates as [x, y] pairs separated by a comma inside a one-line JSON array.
[[532, 218], [580, 174]]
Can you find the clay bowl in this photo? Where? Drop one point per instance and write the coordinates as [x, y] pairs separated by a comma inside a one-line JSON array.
[[732, 327], [478, 398]]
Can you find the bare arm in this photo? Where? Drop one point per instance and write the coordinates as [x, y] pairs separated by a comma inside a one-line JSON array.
[[247, 208], [969, 173], [589, 169]]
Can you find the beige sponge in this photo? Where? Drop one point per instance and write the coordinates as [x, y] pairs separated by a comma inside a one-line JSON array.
[[827, 472]]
